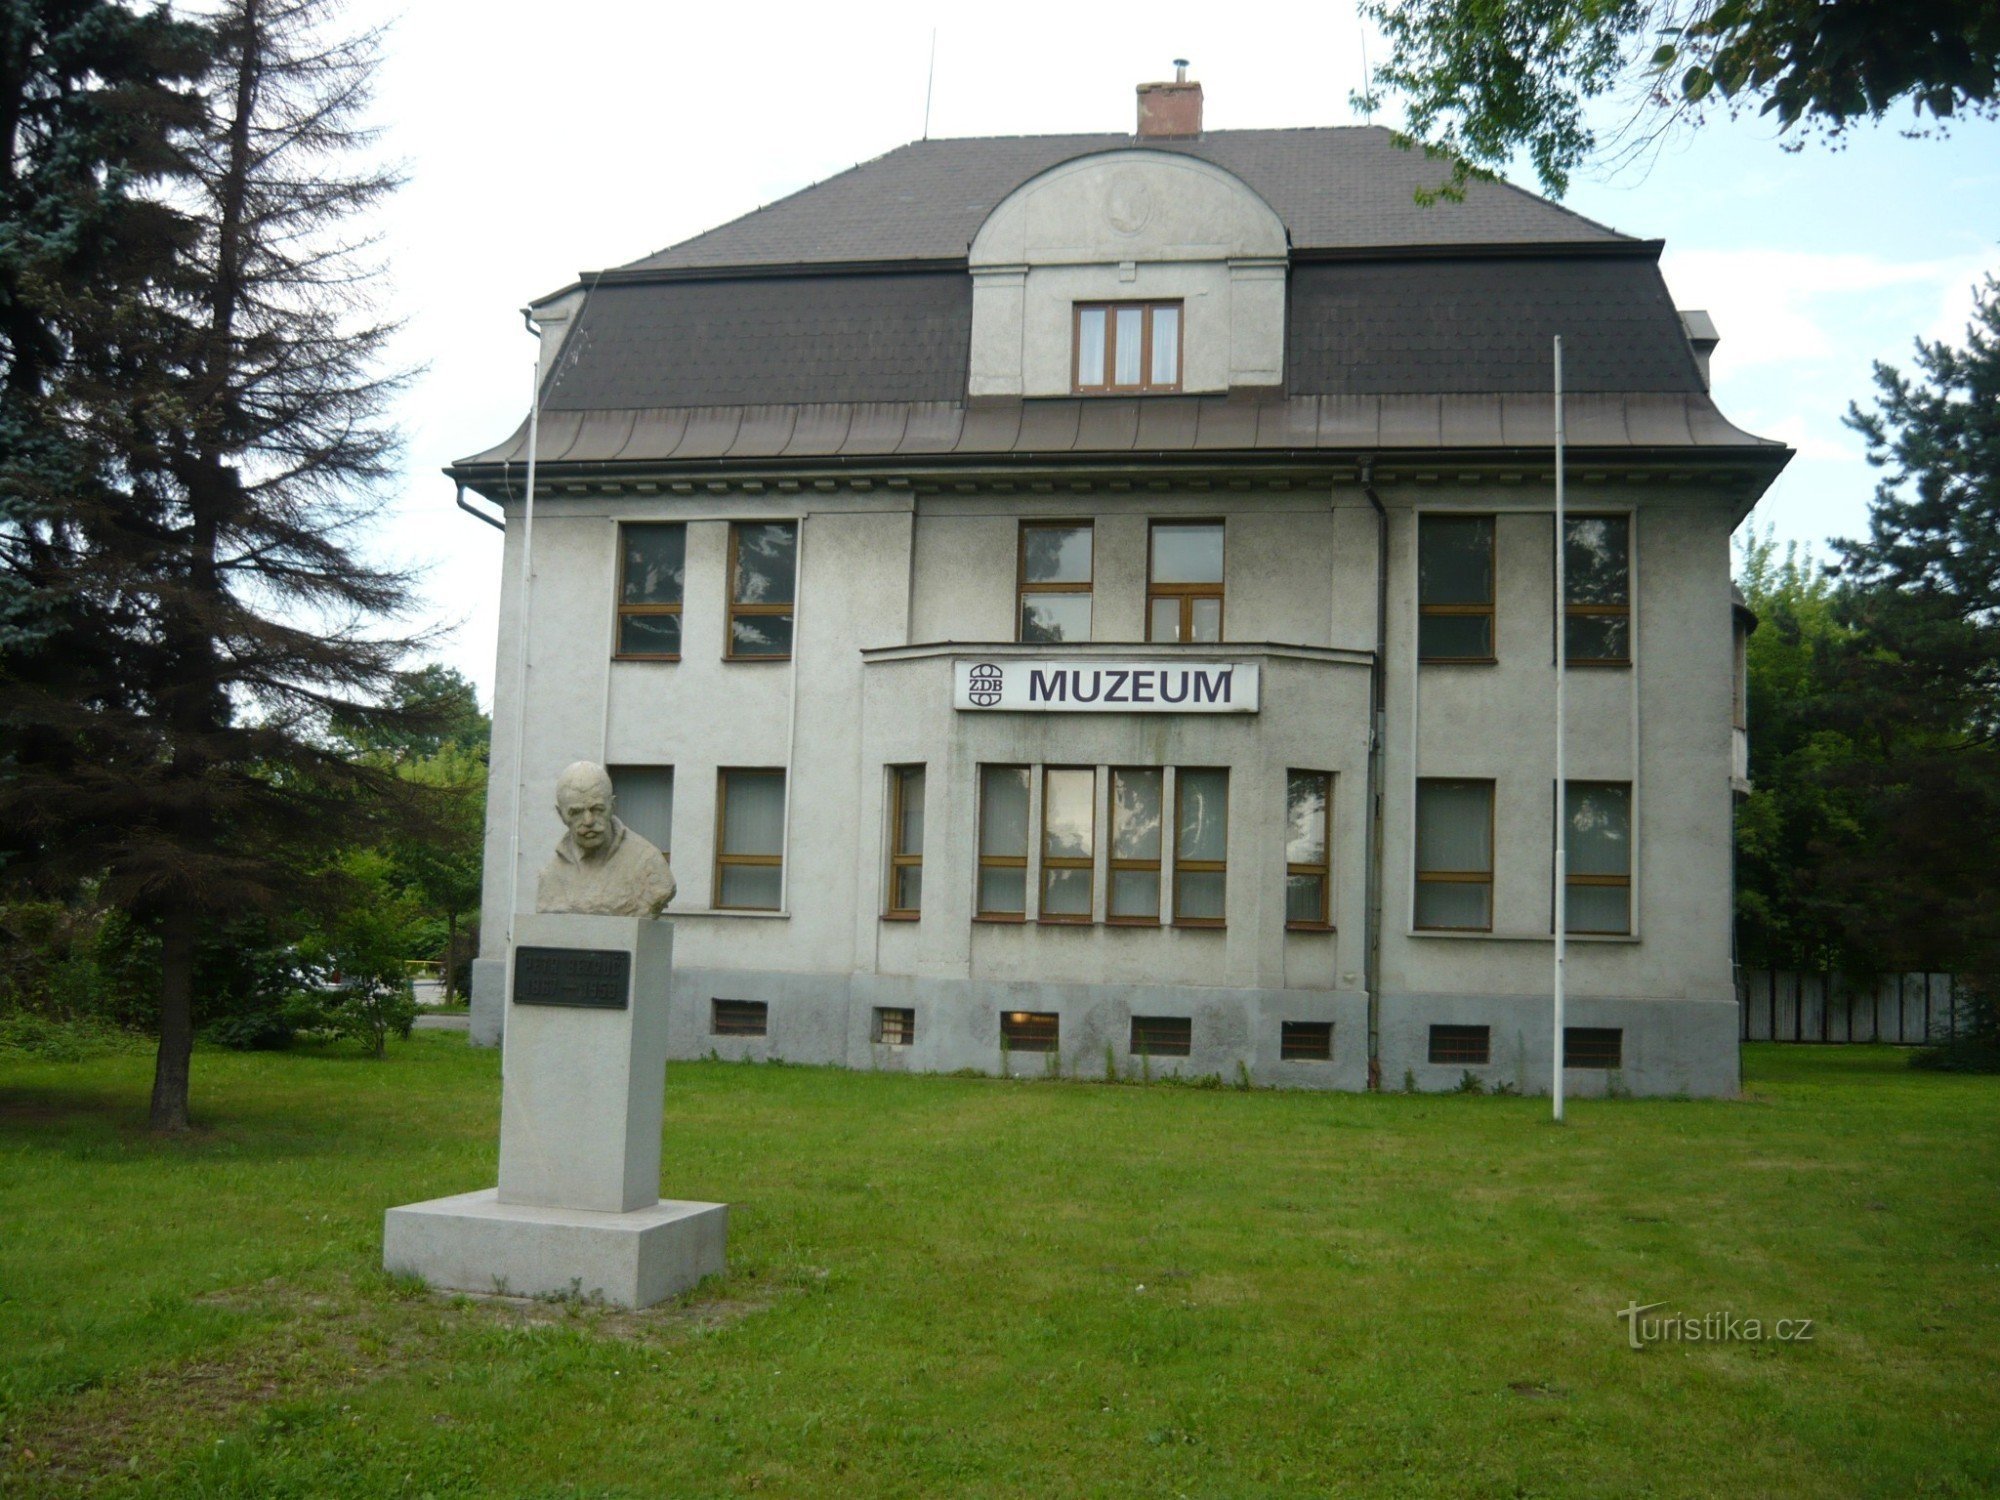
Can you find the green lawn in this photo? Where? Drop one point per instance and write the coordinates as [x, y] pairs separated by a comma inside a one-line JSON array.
[[946, 1285]]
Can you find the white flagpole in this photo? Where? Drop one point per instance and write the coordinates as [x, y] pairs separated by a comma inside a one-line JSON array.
[[1562, 796], [521, 668]]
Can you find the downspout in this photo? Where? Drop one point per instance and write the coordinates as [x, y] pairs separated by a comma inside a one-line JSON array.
[[1378, 718], [478, 515]]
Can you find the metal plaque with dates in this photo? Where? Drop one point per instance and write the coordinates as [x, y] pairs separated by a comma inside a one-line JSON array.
[[582, 978]]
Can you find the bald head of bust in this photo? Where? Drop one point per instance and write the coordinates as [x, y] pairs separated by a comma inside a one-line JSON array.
[[584, 801]]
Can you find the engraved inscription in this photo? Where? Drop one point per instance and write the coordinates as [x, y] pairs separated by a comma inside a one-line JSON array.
[[591, 978]]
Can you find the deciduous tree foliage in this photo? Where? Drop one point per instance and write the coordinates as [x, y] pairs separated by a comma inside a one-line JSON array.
[[215, 590], [1487, 78]]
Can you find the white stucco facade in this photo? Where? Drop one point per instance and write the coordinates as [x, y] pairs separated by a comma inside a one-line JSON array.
[[909, 567]]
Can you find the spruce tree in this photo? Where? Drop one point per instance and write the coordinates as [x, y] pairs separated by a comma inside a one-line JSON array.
[[1918, 683], [231, 612]]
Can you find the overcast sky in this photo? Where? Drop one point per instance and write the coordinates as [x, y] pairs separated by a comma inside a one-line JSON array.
[[542, 141]]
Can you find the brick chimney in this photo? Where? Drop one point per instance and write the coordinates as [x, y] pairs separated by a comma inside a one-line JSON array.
[[1170, 111]]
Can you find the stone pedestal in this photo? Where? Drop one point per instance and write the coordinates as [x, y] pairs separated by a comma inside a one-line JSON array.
[[578, 1208]]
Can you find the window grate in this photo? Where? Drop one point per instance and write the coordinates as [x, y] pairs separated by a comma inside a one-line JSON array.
[[1593, 1047], [739, 1017], [1162, 1036], [1462, 1044], [1305, 1041], [1030, 1030], [895, 1028]]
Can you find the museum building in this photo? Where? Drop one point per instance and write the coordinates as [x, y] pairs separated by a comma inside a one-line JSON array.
[[1090, 600]]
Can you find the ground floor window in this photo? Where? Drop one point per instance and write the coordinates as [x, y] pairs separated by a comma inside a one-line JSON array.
[[1454, 856], [906, 841], [1137, 818], [1003, 843], [1597, 851], [645, 797], [750, 840], [1201, 847], [1308, 814], [1069, 843]]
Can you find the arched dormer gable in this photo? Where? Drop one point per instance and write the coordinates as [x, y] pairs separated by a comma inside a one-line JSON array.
[[1157, 228]]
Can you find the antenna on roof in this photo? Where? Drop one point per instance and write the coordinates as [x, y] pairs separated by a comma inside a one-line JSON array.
[[930, 78], [1367, 78]]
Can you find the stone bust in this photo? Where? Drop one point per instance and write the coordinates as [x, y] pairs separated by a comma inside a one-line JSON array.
[[601, 868]]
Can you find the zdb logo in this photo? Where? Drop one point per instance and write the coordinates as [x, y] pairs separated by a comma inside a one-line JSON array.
[[983, 684]]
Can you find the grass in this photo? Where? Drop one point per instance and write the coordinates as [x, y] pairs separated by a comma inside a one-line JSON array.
[[948, 1285]]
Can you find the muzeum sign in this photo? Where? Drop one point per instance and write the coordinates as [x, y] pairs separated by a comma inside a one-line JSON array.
[[1030, 685]]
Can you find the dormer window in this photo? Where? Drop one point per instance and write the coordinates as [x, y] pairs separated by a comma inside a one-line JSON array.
[[1127, 347]]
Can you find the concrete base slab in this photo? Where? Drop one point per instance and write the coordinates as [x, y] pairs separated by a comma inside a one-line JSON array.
[[472, 1242]]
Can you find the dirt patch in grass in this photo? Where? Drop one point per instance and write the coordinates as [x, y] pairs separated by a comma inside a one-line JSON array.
[[326, 1342]]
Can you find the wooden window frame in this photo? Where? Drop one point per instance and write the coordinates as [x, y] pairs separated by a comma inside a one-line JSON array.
[[754, 611], [1187, 593], [1462, 611], [1145, 1039], [1114, 865], [760, 861], [1455, 1051], [1457, 877], [901, 859], [1298, 1041], [1624, 882], [1599, 611], [1052, 863], [1146, 386], [1324, 922], [1200, 866], [984, 861], [624, 609], [1022, 588]]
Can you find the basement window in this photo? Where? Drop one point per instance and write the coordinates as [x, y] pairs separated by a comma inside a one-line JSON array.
[[739, 1017], [1593, 1047], [1462, 1044], [1162, 1036], [895, 1027], [1305, 1041], [1030, 1030]]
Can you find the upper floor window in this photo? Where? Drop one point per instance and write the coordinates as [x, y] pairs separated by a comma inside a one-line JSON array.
[[763, 556], [1597, 590], [1054, 582], [1184, 582], [652, 558], [1455, 588], [1127, 346]]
